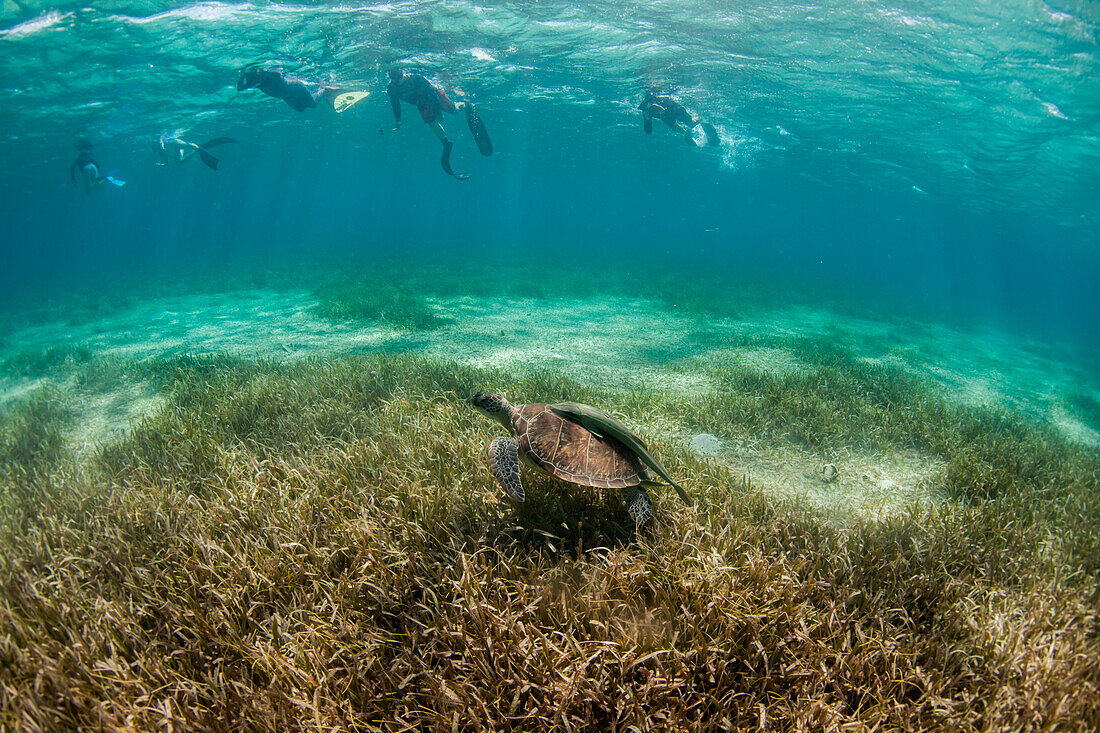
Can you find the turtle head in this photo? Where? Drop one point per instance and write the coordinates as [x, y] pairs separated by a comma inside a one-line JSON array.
[[494, 406]]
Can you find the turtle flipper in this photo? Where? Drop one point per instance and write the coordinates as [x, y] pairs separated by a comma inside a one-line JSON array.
[[638, 504], [504, 460]]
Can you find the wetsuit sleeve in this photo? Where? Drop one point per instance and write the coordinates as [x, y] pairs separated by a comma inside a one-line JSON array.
[[395, 103]]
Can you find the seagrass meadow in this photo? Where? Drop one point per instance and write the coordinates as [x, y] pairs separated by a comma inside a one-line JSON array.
[[319, 545]]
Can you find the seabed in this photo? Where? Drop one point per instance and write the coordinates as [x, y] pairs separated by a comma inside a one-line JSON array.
[[270, 508]]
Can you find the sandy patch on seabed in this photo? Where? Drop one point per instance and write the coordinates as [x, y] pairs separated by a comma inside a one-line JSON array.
[[604, 342], [94, 417], [13, 391], [106, 416], [620, 344], [254, 323], [844, 484]]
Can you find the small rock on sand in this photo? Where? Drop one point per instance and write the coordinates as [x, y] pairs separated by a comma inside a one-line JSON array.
[[706, 444]]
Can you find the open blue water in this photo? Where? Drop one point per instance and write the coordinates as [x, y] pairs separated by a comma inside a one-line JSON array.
[[944, 154]]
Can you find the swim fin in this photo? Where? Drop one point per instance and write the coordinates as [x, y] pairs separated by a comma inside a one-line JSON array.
[[346, 100], [477, 129], [115, 181], [712, 134], [218, 141], [445, 161], [210, 160]]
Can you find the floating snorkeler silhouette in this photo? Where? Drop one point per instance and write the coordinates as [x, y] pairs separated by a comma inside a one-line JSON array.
[[432, 102], [172, 149], [87, 168], [295, 92], [673, 114]]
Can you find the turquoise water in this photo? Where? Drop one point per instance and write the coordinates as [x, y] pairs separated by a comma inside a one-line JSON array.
[[940, 154], [242, 482]]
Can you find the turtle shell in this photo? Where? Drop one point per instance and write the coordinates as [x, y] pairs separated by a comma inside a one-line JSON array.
[[571, 452]]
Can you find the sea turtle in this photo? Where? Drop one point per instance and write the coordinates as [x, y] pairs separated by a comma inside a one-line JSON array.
[[577, 443]]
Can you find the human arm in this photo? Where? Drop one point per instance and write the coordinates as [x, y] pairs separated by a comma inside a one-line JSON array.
[[649, 111], [395, 104]]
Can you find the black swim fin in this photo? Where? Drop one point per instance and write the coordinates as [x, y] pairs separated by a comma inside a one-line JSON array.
[[217, 141], [477, 129], [445, 161], [712, 134], [210, 160]]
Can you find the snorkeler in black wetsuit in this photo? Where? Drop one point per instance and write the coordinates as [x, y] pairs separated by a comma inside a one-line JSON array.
[[673, 114], [87, 168], [432, 102], [291, 90]]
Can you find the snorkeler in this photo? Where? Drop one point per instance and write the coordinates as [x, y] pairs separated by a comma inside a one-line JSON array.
[[432, 102], [172, 149], [295, 92], [86, 166], [673, 114]]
